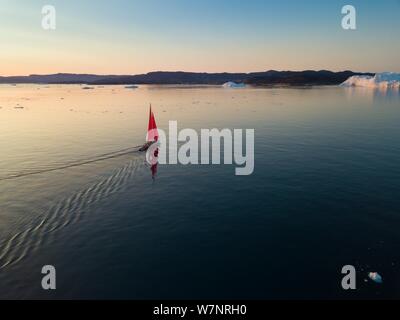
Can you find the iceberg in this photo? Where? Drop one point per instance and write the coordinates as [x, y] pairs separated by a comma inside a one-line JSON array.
[[385, 80], [376, 277], [231, 84]]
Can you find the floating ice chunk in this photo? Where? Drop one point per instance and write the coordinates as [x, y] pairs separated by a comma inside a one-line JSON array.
[[386, 80], [376, 277], [231, 84]]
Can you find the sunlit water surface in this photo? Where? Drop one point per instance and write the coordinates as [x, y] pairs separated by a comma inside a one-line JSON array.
[[325, 193]]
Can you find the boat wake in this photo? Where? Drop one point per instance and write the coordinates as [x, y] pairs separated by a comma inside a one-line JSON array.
[[66, 212], [102, 157]]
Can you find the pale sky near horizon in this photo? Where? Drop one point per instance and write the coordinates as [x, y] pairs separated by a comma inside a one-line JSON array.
[[139, 36]]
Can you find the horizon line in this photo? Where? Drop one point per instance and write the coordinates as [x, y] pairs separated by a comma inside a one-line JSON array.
[[181, 71]]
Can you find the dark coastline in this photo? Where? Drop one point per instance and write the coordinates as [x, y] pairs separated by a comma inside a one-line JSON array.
[[267, 78]]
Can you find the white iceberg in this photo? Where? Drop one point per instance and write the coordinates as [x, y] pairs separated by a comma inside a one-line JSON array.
[[376, 277], [231, 84], [385, 80]]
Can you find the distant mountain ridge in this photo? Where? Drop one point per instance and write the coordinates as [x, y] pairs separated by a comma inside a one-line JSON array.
[[272, 77]]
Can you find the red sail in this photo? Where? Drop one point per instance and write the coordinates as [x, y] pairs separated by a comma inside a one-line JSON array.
[[152, 132]]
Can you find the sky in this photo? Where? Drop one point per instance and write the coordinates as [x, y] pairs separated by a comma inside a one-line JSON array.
[[139, 36]]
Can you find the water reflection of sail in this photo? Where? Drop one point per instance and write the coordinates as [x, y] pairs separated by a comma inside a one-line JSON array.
[[154, 166]]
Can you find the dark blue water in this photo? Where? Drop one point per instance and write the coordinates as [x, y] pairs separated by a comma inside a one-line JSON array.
[[325, 193]]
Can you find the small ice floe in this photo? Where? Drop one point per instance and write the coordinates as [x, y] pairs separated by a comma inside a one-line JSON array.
[[131, 87], [376, 277], [233, 85]]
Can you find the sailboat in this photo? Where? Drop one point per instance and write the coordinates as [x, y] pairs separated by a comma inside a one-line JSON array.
[[152, 133]]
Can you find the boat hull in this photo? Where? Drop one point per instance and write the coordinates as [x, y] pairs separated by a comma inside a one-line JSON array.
[[146, 146]]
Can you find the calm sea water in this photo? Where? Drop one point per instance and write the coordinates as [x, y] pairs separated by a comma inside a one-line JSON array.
[[325, 193]]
